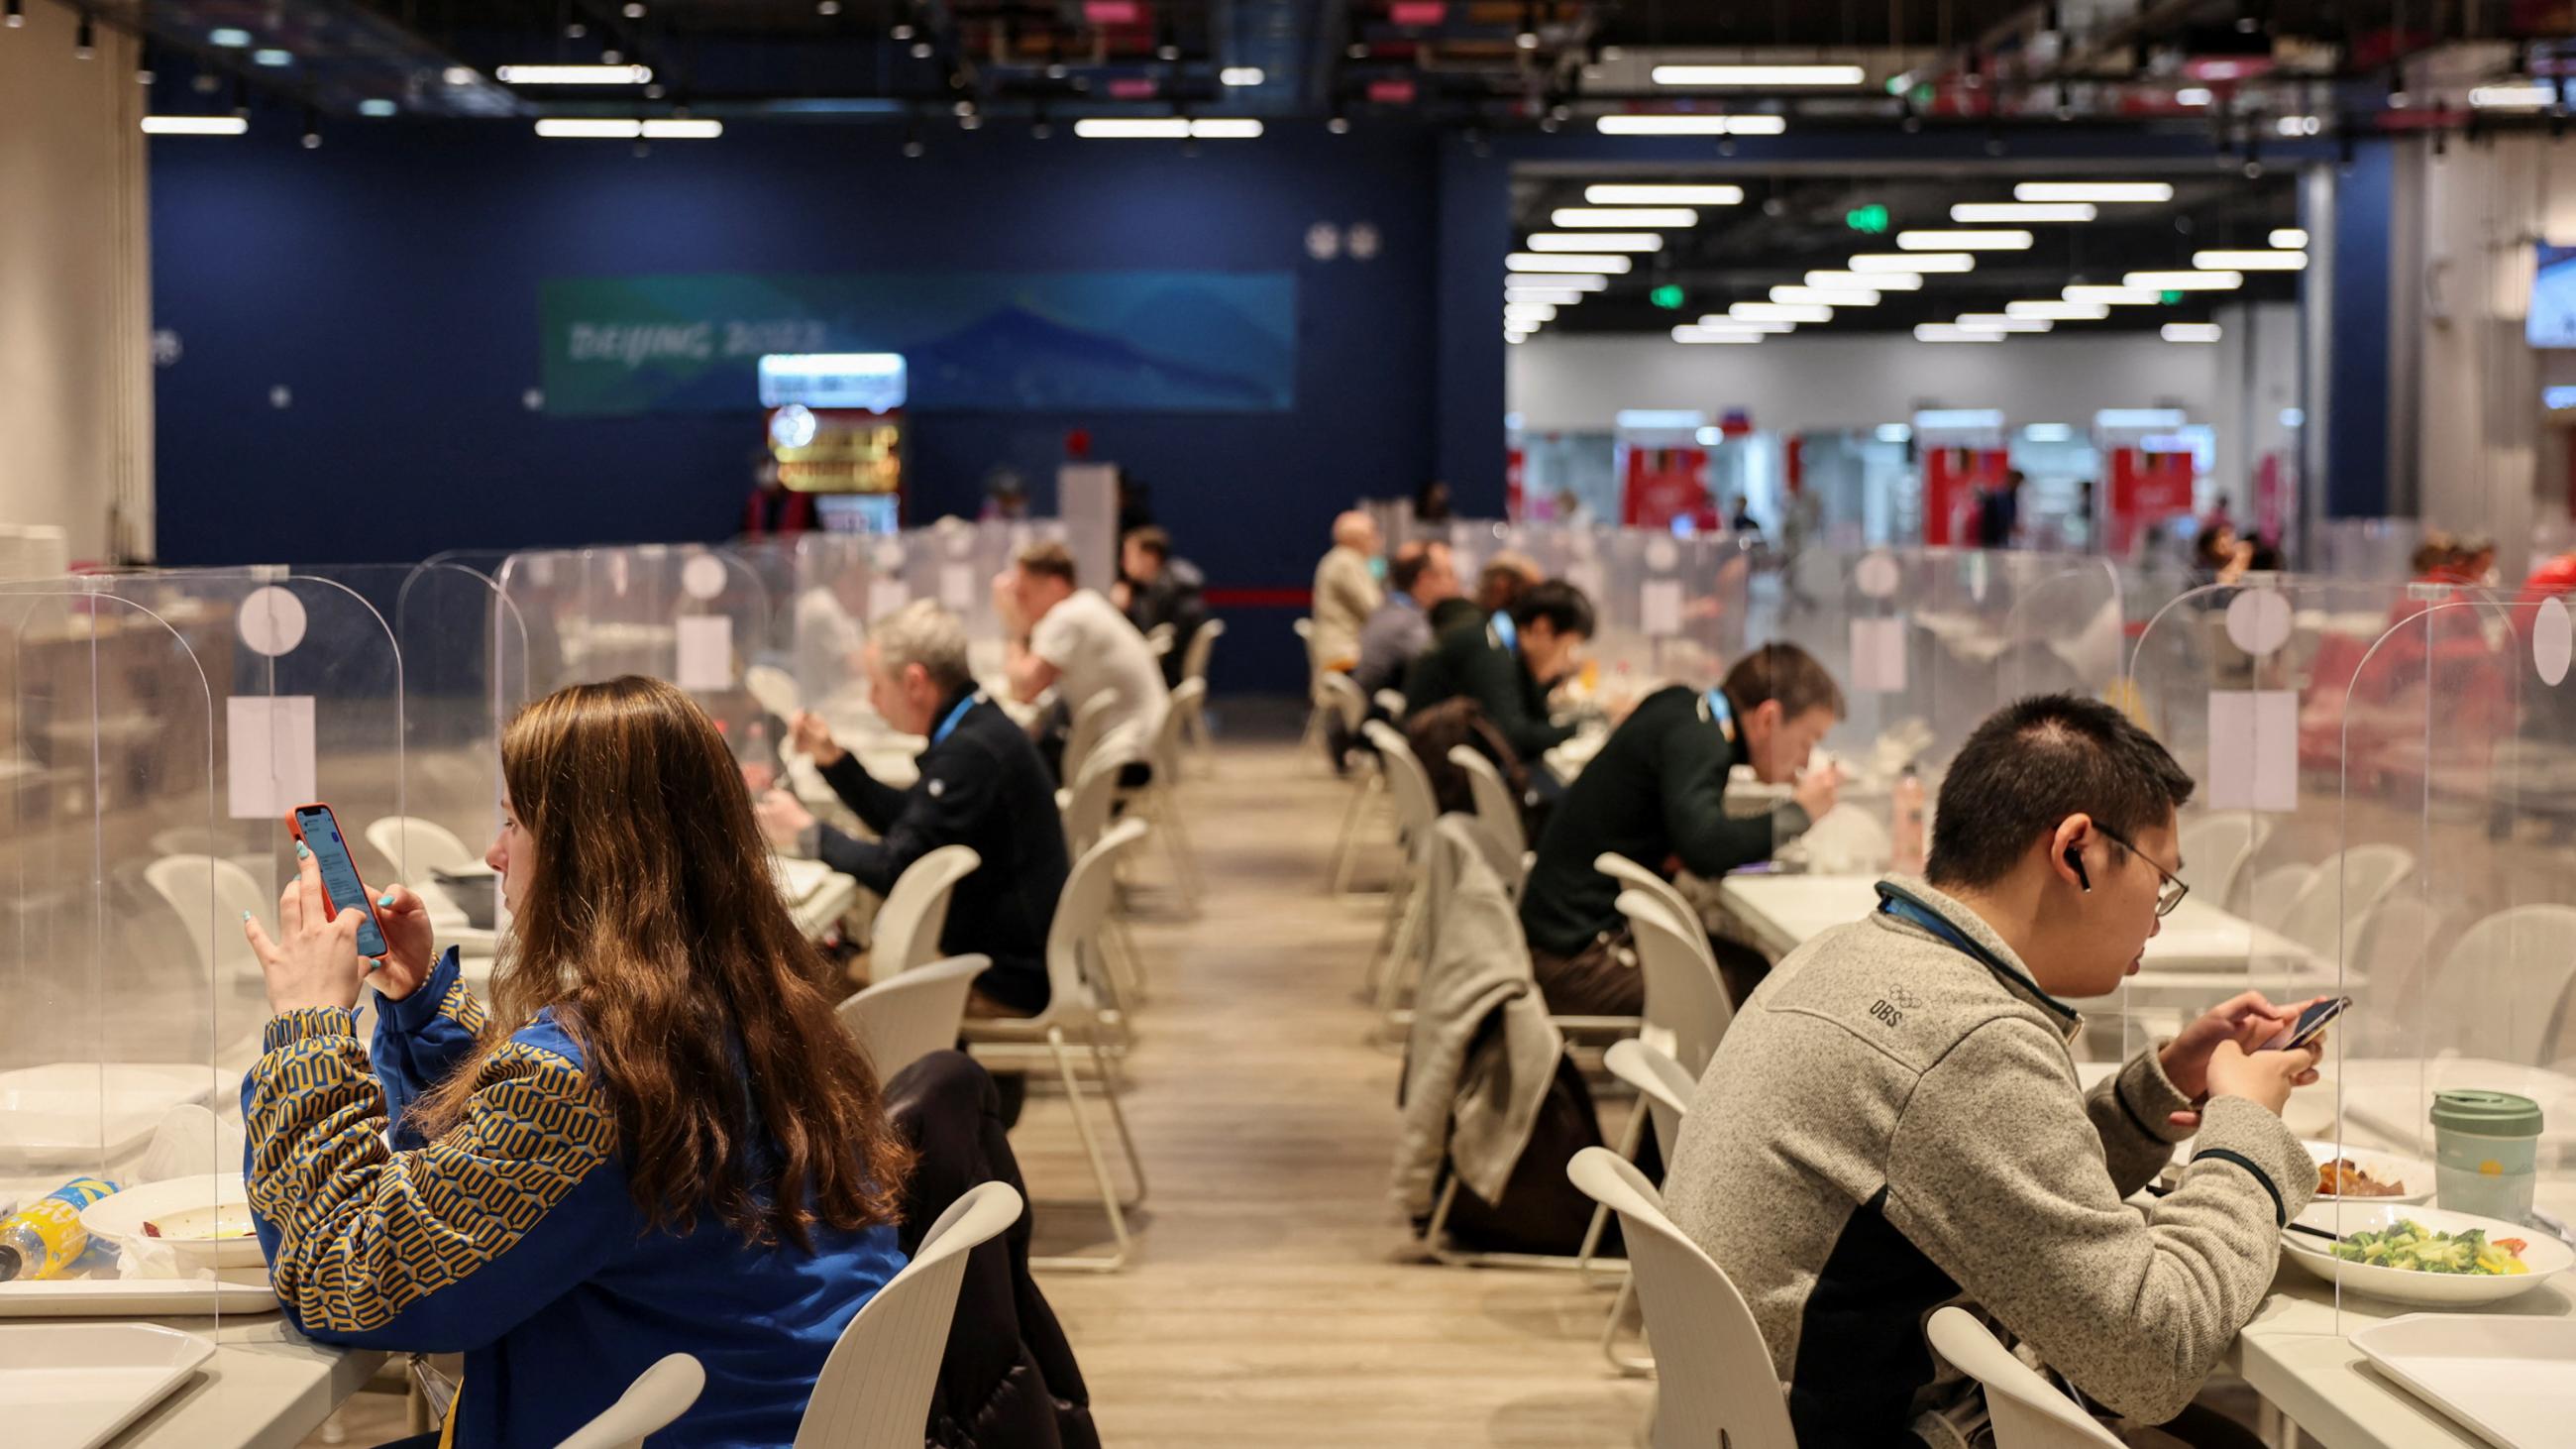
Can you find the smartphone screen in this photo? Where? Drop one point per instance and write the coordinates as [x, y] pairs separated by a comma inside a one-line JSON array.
[[2310, 1022], [340, 875]]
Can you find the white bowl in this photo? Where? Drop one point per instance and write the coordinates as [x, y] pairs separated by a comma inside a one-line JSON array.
[[119, 1218], [2387, 1167], [2543, 1254]]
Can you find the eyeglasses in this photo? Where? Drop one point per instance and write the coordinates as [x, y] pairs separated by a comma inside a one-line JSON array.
[[2170, 893]]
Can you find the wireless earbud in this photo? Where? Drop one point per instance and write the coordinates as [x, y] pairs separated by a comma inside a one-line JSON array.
[[2075, 859]]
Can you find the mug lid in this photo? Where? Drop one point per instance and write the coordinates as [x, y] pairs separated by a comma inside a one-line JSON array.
[[2492, 1114]]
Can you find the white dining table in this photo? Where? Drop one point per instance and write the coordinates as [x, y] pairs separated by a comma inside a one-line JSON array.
[[267, 1387]]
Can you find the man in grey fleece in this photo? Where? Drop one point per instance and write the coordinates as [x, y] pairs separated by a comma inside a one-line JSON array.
[[1893, 1120]]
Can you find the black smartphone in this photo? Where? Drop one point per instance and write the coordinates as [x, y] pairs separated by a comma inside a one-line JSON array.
[[2310, 1022]]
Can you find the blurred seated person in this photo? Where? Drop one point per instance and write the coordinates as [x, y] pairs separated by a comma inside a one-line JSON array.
[[1741, 519], [1507, 667], [1499, 582], [981, 785], [1893, 1122], [1420, 579], [657, 1141], [1157, 589], [1346, 591], [1431, 502], [1657, 793], [1075, 642]]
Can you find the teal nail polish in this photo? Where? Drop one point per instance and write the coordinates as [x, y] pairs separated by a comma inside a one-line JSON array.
[[301, 853], [386, 900], [245, 918]]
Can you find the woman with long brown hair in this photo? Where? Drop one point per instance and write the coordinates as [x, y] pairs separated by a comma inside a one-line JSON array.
[[659, 1140]]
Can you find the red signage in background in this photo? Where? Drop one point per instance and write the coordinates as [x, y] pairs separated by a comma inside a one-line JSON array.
[[1418, 12], [2146, 488], [1390, 92], [1515, 464], [1952, 480], [1663, 484]]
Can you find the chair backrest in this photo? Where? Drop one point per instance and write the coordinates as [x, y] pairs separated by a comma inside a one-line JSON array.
[[1494, 803], [1390, 700], [1086, 806], [1731, 1395], [1081, 913], [416, 847], [1187, 698], [874, 1391], [2277, 893], [1505, 861], [1406, 781], [2393, 948], [2215, 847], [659, 1395], [1194, 659], [1334, 690], [901, 1020], [210, 893], [2519, 965], [1306, 640], [1660, 1080], [915, 912], [1632, 876], [1684, 994], [1082, 736], [2027, 1413], [1159, 639], [2349, 886]]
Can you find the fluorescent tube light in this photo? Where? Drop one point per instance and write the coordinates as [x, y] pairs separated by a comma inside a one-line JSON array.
[[1963, 241], [2191, 332], [2242, 261], [1764, 76], [1871, 281], [2115, 296], [1596, 241], [194, 125], [1944, 332], [2059, 311], [1987, 211], [1825, 296], [1916, 262], [1579, 216], [2186, 281], [574, 75], [1609, 262], [2094, 191], [2002, 322], [1619, 194], [2289, 238], [1686, 125], [1779, 312]]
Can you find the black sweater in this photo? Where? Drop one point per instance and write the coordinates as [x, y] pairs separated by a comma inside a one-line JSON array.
[[1657, 789], [983, 786], [1478, 664]]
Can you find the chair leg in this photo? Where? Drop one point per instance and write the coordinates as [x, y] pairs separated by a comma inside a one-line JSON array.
[[1125, 944], [1629, 1365], [1118, 1119], [1433, 1231], [1311, 743], [1176, 840], [1399, 899], [1116, 1259], [1399, 953], [1346, 844], [1630, 1138]]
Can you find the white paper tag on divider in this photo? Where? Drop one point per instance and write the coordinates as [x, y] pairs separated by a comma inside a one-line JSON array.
[[2254, 750], [1878, 655], [269, 749], [706, 651], [1659, 607], [885, 596], [957, 587]]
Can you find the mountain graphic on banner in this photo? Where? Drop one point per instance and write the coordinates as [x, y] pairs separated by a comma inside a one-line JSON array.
[[1039, 362]]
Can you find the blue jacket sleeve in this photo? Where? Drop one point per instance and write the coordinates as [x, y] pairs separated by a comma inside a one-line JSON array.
[[436, 1249], [421, 1038]]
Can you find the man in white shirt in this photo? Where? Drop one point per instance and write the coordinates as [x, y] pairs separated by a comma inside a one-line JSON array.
[[1346, 591], [1077, 643]]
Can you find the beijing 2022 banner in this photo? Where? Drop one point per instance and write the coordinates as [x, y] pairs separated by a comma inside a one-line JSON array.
[[971, 341]]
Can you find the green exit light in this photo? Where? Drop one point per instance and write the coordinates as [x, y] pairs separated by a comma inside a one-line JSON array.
[[2171, 298], [1871, 219], [1667, 296]]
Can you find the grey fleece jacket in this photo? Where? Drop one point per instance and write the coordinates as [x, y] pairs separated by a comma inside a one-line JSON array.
[[1892, 1123]]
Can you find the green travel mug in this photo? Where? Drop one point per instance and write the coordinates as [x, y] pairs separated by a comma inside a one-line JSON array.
[[2486, 1153]]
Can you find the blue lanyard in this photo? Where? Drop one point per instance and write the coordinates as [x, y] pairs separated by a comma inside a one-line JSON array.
[[1722, 712], [954, 716], [1893, 902], [1504, 631]]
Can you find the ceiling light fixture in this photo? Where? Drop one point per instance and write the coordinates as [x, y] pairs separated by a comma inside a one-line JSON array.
[[1679, 125], [2001, 322], [377, 106], [1603, 241], [1547, 295], [1944, 332], [1175, 128], [604, 128], [1611, 263], [1919, 263], [2191, 332], [2094, 191], [1530, 311], [1241, 75], [1989, 211], [1617, 194], [2114, 296], [1826, 296], [2058, 311], [229, 37], [1573, 216], [1780, 312], [1701, 336], [194, 125], [2289, 238], [2194, 96], [1963, 241], [1871, 281], [1759, 76], [2243, 261], [573, 75], [15, 16], [2519, 97], [2185, 281], [458, 75], [1720, 322], [1574, 282], [273, 59]]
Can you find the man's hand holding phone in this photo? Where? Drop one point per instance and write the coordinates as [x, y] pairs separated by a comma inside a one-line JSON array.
[[2240, 1025]]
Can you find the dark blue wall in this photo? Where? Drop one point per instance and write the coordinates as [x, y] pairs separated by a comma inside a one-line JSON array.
[[390, 279], [2357, 366]]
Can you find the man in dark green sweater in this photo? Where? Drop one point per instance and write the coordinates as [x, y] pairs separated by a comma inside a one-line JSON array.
[[1656, 793], [1509, 665]]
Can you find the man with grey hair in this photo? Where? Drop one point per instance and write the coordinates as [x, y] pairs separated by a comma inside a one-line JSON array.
[[981, 785]]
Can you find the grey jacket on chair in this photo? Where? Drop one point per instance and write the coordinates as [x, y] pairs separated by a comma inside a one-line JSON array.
[[1469, 1094], [1892, 1122]]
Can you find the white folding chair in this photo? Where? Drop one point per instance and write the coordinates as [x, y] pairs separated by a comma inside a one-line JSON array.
[[902, 1019], [1159, 639], [1495, 806], [1082, 735], [2027, 1412], [657, 1398], [2349, 887], [2393, 948], [1335, 691], [1074, 1012], [2277, 892], [1318, 712], [915, 912], [875, 1389], [2519, 965], [1392, 702], [1665, 1090], [1194, 665], [210, 895], [1084, 804], [2216, 847], [1633, 876], [415, 847], [1159, 798], [1415, 809], [1686, 1013], [1695, 1316]]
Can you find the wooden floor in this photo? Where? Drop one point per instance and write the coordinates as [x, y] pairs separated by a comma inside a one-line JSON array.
[[1275, 1297]]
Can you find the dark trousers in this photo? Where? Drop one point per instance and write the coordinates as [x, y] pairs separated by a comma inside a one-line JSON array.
[[1602, 979]]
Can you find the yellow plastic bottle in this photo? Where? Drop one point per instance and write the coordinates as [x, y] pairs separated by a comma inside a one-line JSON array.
[[47, 1235]]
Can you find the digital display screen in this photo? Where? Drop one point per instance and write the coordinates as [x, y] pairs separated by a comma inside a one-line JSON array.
[[2551, 321], [340, 876]]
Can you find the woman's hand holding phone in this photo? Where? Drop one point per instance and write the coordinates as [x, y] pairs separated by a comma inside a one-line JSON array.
[[314, 960], [410, 948]]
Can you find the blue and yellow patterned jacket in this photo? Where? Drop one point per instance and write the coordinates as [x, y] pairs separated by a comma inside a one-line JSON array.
[[512, 1238]]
